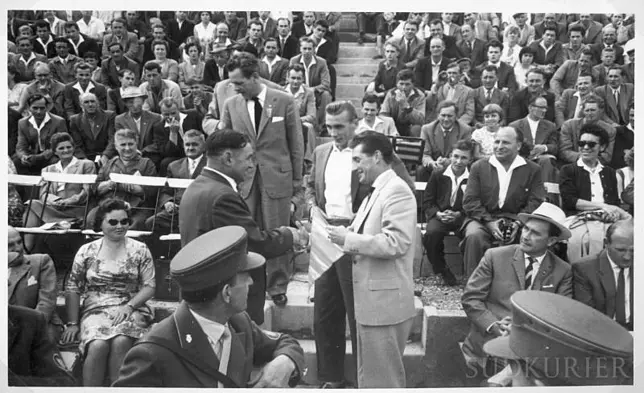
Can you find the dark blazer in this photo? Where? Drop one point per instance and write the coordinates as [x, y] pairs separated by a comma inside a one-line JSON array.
[[71, 96], [298, 30], [110, 75], [476, 54], [435, 144], [561, 31], [148, 364], [416, 50], [114, 101], [574, 184], [32, 284], [594, 32], [327, 51], [615, 109], [596, 50], [99, 141], [438, 193], [210, 192], [151, 124], [211, 73], [291, 47], [555, 54], [33, 359], [88, 45], [594, 285], [49, 51], [179, 35], [423, 72], [501, 273], [505, 76], [521, 100], [13, 117], [624, 139], [28, 137], [481, 201], [179, 170], [499, 97], [452, 51], [278, 73], [270, 27], [546, 134], [162, 135]]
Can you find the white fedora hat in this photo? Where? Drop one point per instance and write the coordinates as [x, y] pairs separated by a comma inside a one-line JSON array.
[[550, 213]]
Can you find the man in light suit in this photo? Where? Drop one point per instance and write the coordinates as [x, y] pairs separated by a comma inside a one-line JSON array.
[[158, 88], [169, 139], [509, 269], [453, 90], [335, 189], [119, 34], [380, 240], [566, 76], [487, 94], [617, 96], [273, 126], [597, 278], [568, 105], [272, 66]]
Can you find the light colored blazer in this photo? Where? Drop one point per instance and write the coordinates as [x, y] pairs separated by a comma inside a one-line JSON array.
[[278, 142], [565, 106], [186, 71], [381, 241], [129, 41], [463, 97]]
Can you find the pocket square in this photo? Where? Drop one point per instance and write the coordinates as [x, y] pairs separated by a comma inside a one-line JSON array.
[[277, 118], [31, 281]]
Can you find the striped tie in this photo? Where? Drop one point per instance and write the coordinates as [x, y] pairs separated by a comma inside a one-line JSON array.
[[529, 273]]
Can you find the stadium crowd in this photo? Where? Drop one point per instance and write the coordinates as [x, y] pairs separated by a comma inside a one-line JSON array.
[[526, 127]]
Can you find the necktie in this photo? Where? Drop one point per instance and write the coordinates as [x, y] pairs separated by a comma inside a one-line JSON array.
[[193, 166], [488, 95], [620, 299], [529, 273], [283, 41], [258, 112], [408, 51]]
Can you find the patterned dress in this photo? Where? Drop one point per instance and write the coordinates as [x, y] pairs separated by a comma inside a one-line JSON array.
[[14, 203], [485, 140], [104, 286]]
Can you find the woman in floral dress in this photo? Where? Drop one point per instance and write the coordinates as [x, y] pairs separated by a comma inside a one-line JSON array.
[[112, 278], [484, 136], [16, 208]]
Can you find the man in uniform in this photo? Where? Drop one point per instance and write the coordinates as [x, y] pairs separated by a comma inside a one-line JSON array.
[[210, 341]]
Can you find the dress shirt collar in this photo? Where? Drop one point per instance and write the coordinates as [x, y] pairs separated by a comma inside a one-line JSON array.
[[615, 90], [588, 169], [436, 64], [262, 95], [538, 261], [271, 63], [518, 161], [541, 44], [213, 329], [449, 173], [78, 87], [336, 149], [230, 180], [59, 165], [182, 117], [364, 124], [299, 91], [313, 61], [45, 120], [32, 57]]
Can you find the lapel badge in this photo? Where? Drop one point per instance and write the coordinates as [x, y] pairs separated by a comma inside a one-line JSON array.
[[269, 111], [188, 338]]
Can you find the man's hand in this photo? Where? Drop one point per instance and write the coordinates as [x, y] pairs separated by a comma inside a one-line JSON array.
[[303, 234], [428, 161], [493, 227], [25, 160], [538, 150], [170, 207], [275, 374], [104, 160], [337, 235], [515, 231]]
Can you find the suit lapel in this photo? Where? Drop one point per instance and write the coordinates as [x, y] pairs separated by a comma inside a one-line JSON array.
[[242, 108], [544, 270], [363, 213], [321, 167], [237, 358], [18, 274], [199, 167], [269, 104], [518, 262], [540, 136], [607, 278]]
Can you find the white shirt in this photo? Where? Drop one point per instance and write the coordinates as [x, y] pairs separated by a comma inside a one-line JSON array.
[[230, 180], [250, 104], [627, 285], [578, 107], [505, 176], [44, 44], [533, 128], [182, 117], [80, 41], [541, 44], [596, 187], [193, 164], [535, 266], [215, 332], [39, 128], [446, 28], [32, 57], [307, 74], [337, 175], [59, 169], [78, 87], [363, 126], [456, 182], [95, 28], [270, 64], [138, 124]]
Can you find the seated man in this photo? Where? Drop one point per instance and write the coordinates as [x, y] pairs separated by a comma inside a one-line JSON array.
[[506, 80], [487, 94], [188, 167], [519, 105], [412, 47], [82, 84], [253, 39], [443, 206], [499, 188], [605, 282], [506, 270], [618, 96], [115, 101], [566, 76], [573, 49], [405, 104], [272, 66], [609, 40], [32, 283], [215, 69], [371, 121], [601, 70], [451, 89], [197, 98], [593, 109], [111, 66], [93, 131], [119, 34], [63, 65], [159, 34], [44, 41], [157, 88], [548, 51], [472, 47], [305, 102], [25, 60], [44, 85], [568, 105]]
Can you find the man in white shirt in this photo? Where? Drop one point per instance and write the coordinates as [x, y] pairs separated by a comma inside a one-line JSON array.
[[371, 121], [272, 66], [91, 26]]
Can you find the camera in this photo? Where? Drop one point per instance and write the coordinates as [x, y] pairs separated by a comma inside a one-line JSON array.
[[506, 226]]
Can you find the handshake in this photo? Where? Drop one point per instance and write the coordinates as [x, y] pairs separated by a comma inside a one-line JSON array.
[[300, 236]]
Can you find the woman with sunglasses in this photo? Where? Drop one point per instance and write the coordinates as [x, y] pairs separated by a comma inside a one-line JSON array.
[[114, 277], [588, 186]]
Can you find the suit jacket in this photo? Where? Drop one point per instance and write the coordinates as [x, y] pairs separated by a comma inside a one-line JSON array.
[[319, 74], [380, 240], [505, 76], [596, 50], [594, 285], [416, 50], [546, 134], [26, 70], [463, 97], [305, 102], [28, 137], [316, 183], [615, 109], [114, 101], [501, 273], [211, 73], [277, 142], [71, 97], [270, 27], [499, 97], [291, 47], [438, 193], [327, 51], [574, 183], [484, 31], [560, 35], [424, 72], [521, 101], [277, 74], [177, 34], [161, 136], [624, 139], [179, 169], [210, 192], [151, 124], [628, 73], [298, 30], [593, 32], [565, 77], [110, 75], [64, 73], [169, 89], [55, 91], [129, 42], [237, 29], [525, 193], [148, 53], [435, 144], [565, 106], [569, 136], [88, 45], [477, 53], [247, 46], [32, 284], [148, 364], [554, 56], [90, 142]]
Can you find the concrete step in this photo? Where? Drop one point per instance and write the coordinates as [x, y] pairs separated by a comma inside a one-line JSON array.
[[412, 359], [364, 80], [356, 60], [363, 69], [350, 90], [348, 36], [366, 51]]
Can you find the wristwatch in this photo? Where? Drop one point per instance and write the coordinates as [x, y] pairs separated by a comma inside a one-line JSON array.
[[68, 324]]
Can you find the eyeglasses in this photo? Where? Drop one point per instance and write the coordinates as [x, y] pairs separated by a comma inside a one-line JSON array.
[[113, 222], [590, 144]]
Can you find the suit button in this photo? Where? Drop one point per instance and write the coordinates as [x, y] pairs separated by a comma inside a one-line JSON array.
[[355, 262]]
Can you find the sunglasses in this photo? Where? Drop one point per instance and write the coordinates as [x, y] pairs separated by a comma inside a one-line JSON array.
[[590, 144], [113, 222]]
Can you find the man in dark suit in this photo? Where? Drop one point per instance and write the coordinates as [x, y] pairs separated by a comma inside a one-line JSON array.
[[519, 106], [230, 158], [471, 47], [325, 47], [605, 281], [93, 130], [609, 40], [412, 48], [443, 206], [288, 45], [549, 22], [180, 28], [119, 34], [505, 75], [111, 67], [44, 41], [624, 140], [548, 51], [169, 139], [305, 26], [215, 69], [159, 34], [188, 167], [83, 84], [425, 77], [210, 341], [115, 102], [617, 96], [491, 198], [275, 188], [79, 43], [273, 67], [436, 31], [505, 270], [488, 93], [269, 25], [592, 28]]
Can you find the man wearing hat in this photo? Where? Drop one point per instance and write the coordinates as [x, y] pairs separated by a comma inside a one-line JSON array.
[[557, 341], [215, 69], [505, 270], [209, 341]]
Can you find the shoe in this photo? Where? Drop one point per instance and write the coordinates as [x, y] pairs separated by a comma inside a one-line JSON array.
[[280, 299], [333, 385], [361, 40], [377, 57], [449, 278]]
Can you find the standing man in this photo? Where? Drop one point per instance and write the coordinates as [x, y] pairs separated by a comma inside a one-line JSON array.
[[210, 341], [380, 240], [269, 118]]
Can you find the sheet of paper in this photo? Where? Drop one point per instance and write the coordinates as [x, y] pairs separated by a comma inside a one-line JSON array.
[[323, 252]]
